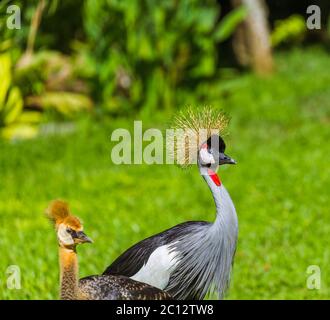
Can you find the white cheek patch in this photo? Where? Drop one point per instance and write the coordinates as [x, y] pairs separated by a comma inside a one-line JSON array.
[[64, 236], [206, 157]]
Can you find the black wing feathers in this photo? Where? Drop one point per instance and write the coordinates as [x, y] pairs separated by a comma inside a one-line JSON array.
[[133, 259]]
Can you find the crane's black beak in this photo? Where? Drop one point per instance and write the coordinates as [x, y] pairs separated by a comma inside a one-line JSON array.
[[81, 237], [224, 159]]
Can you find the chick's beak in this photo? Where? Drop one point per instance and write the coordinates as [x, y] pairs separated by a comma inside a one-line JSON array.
[[83, 238]]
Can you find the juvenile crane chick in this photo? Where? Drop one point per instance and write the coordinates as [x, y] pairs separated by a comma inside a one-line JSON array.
[[70, 233]]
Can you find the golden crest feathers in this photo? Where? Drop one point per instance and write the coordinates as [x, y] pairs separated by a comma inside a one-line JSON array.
[[190, 129]]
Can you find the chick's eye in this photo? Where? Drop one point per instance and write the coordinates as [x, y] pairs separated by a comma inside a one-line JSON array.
[[72, 232]]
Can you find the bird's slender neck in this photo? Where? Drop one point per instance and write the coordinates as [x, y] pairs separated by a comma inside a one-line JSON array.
[[214, 183], [225, 211], [68, 274]]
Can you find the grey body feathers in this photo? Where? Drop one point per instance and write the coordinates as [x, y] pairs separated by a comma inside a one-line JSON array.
[[207, 254]]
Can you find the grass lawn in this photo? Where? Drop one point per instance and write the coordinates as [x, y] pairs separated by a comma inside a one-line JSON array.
[[280, 136]]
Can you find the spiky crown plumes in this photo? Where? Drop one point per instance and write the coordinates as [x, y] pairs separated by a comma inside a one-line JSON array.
[[191, 128], [58, 212]]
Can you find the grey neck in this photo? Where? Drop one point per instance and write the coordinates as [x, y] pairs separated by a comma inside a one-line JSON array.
[[215, 190], [225, 211]]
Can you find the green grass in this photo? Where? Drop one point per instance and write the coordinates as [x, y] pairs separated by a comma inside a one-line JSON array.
[[280, 137]]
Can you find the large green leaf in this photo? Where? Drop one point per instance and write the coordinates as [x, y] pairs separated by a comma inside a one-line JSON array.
[[66, 103], [13, 107], [29, 117], [292, 28], [19, 131], [5, 78], [11, 102], [229, 23]]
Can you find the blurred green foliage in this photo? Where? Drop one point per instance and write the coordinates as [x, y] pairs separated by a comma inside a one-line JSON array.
[[125, 55], [41, 79], [14, 121], [51, 80], [154, 53]]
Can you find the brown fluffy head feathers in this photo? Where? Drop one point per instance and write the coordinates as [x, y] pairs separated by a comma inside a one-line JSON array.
[[58, 212]]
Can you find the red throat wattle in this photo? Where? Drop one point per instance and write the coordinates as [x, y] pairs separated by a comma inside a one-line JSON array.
[[214, 177]]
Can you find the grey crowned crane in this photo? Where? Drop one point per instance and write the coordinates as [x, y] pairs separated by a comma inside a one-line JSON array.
[[194, 257], [99, 287]]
